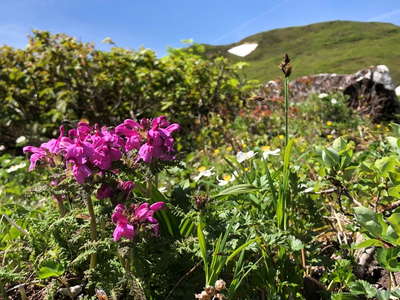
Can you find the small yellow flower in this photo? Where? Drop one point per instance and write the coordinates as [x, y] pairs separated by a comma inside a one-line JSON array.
[[226, 177], [378, 126], [246, 169], [244, 145], [281, 137], [229, 148], [387, 129], [217, 151], [265, 148], [329, 136], [329, 123], [202, 169]]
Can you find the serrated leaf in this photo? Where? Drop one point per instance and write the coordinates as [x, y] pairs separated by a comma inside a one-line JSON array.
[[361, 287]]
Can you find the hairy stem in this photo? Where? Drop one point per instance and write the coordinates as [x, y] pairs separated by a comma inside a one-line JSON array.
[[93, 227]]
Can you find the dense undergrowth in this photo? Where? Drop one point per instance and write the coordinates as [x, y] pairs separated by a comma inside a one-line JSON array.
[[123, 212]]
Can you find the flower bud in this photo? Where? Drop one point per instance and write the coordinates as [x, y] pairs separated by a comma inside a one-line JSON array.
[[210, 290], [220, 285], [203, 296]]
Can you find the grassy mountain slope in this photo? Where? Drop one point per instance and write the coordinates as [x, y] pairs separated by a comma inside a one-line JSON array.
[[329, 47]]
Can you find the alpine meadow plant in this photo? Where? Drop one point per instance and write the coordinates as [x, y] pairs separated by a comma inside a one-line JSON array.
[[99, 158]]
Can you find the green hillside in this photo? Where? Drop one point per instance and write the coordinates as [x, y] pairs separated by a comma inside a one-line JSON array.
[[329, 47]]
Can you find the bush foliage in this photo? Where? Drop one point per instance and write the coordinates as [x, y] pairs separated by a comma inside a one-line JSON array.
[[59, 79]]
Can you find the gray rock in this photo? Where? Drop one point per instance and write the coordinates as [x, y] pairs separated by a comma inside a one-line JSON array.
[[370, 91]]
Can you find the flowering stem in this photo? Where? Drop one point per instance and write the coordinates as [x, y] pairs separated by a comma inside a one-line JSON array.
[[286, 93], [93, 230], [61, 207]]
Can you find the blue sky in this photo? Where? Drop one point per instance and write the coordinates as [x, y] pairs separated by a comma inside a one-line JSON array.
[[159, 24]]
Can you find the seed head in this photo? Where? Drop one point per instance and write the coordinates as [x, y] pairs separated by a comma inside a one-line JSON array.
[[285, 66]]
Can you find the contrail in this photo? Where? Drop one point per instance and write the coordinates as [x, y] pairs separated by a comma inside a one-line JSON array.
[[246, 23], [385, 15]]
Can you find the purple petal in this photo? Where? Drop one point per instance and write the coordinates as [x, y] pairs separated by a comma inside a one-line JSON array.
[[157, 206], [118, 214], [124, 230]]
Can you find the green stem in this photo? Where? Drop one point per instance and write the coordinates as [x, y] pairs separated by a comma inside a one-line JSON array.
[[156, 179], [61, 207], [286, 95], [93, 226]]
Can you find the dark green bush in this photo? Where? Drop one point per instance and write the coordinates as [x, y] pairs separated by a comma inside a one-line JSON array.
[[58, 79]]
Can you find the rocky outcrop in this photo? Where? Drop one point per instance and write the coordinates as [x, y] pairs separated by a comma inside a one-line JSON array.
[[370, 91]]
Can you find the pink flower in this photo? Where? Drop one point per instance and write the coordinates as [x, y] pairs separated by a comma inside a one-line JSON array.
[[124, 230], [38, 154], [81, 172], [157, 206], [147, 153], [130, 129], [126, 186], [160, 142], [130, 221]]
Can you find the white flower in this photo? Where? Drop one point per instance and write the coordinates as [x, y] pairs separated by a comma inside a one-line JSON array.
[[397, 91], [204, 173], [2, 147], [267, 153], [242, 156], [323, 95], [226, 179], [162, 189], [306, 190], [334, 101], [21, 140], [16, 167]]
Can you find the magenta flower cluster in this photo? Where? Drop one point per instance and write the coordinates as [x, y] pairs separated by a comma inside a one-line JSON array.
[[87, 150], [132, 220]]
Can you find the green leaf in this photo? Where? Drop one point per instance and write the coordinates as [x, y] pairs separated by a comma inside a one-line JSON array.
[[237, 190], [50, 268], [203, 247], [385, 165], [394, 219], [330, 157], [240, 249], [388, 258], [369, 243], [343, 296], [295, 244], [394, 191], [361, 287], [383, 295], [339, 144], [368, 219]]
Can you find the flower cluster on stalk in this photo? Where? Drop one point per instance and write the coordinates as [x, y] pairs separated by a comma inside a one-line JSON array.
[[86, 150], [93, 150]]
